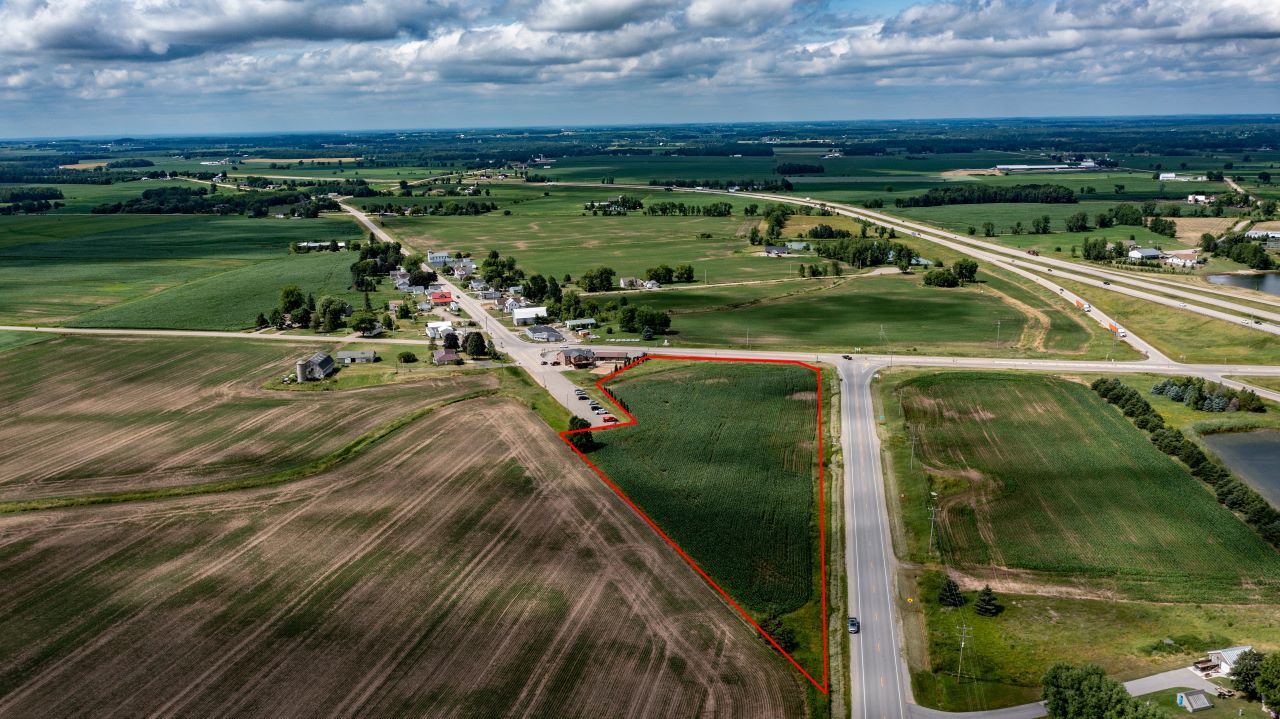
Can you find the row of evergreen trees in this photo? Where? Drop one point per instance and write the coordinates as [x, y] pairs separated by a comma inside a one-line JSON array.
[[1205, 396]]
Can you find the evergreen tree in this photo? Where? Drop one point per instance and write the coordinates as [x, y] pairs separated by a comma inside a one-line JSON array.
[[986, 604], [949, 594]]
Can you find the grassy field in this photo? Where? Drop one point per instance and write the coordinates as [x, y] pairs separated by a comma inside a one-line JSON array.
[[80, 199], [723, 459], [1061, 505], [416, 580], [1236, 706], [1182, 335], [56, 268], [137, 414], [1089, 500], [13, 340], [1267, 382]]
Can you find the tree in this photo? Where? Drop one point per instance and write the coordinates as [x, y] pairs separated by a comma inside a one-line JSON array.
[[451, 341], [473, 344], [261, 321], [1040, 225], [1264, 177], [903, 257], [329, 314], [578, 435], [966, 270], [988, 229], [1078, 222], [364, 324], [627, 319], [1245, 672], [684, 273], [403, 312], [291, 298], [949, 594], [647, 334], [986, 604], [277, 318], [1268, 681], [941, 278], [1085, 692], [407, 357]]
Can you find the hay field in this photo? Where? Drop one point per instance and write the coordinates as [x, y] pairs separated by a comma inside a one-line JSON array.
[[446, 573]]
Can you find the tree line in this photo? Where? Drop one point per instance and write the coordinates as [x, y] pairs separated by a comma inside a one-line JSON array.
[[667, 209], [798, 168], [1240, 249], [977, 194], [779, 185], [200, 200]]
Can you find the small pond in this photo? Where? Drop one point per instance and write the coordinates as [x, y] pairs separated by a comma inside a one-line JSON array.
[[1268, 282], [1254, 457]]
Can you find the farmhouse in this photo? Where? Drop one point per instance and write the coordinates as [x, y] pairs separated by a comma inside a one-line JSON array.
[[437, 258], [515, 290], [1145, 253], [1183, 258], [316, 367], [438, 330], [543, 333], [445, 357], [373, 331], [528, 315], [579, 324], [1200, 199], [357, 356], [1194, 700]]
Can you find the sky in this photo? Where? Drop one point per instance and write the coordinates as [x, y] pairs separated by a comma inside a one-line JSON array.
[[103, 67]]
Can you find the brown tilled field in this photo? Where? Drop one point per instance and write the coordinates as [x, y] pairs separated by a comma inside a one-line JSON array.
[[465, 566], [126, 414]]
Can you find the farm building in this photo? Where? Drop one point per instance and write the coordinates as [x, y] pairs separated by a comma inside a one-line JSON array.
[[1166, 176], [1225, 659], [316, 367], [651, 285], [437, 258], [627, 283], [1145, 253], [1200, 199], [580, 324], [543, 333], [528, 315], [1263, 234], [439, 329], [445, 357], [775, 250], [616, 355], [1194, 700], [357, 356]]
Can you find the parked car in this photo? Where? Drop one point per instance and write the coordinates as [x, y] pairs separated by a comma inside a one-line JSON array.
[[602, 411], [854, 626], [583, 397], [610, 419]]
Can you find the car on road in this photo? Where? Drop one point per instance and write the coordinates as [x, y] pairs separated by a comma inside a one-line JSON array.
[[848, 357], [1106, 283], [854, 626], [1182, 305], [1244, 321]]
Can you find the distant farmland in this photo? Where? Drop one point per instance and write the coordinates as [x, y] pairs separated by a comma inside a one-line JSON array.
[[499, 581], [1041, 475], [723, 459]]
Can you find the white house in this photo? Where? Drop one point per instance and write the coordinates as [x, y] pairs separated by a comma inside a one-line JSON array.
[[1145, 253], [512, 304], [1183, 258], [436, 258], [439, 329], [528, 315], [1226, 658]]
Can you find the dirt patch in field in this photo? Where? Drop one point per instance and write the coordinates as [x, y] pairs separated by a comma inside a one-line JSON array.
[[1190, 228], [806, 396], [970, 173], [504, 580], [301, 159], [84, 165]]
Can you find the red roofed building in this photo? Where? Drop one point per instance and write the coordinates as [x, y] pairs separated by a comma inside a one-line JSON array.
[[441, 298]]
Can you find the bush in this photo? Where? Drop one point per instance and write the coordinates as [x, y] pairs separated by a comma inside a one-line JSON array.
[[407, 357]]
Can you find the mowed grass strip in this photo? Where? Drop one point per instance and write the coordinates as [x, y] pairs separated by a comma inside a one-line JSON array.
[[1059, 482], [723, 460]]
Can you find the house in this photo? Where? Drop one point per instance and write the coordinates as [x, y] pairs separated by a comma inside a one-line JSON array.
[[1226, 658], [477, 286], [373, 331], [528, 315], [402, 285], [576, 357], [316, 367], [775, 250], [1168, 176], [489, 294], [543, 333], [445, 357], [1183, 258], [616, 355], [627, 283], [357, 356], [1145, 253], [394, 306], [512, 304], [453, 307], [515, 290], [1200, 199], [438, 330], [437, 259], [1194, 700], [417, 290], [579, 324], [399, 275], [440, 299], [424, 306]]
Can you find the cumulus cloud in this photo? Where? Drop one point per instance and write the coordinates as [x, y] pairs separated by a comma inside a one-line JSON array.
[[568, 52]]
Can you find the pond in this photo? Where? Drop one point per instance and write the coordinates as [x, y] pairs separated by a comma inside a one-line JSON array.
[[1254, 457], [1268, 282]]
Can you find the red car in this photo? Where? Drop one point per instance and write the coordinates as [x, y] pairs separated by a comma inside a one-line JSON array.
[[609, 419]]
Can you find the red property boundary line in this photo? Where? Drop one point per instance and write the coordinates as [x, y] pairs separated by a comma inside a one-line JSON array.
[[824, 686]]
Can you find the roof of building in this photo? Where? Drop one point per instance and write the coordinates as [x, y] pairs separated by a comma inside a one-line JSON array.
[[578, 352], [1230, 654], [1146, 251], [583, 322], [319, 358], [444, 356], [1195, 699], [544, 331], [357, 354], [523, 313]]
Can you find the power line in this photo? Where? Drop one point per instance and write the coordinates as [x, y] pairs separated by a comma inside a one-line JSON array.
[[966, 635]]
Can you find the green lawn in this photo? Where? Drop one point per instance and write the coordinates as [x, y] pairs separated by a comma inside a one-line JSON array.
[[59, 267], [1038, 474], [723, 460]]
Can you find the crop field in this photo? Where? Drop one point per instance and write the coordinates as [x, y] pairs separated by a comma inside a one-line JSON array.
[[723, 459], [417, 579], [55, 268], [1043, 478], [80, 199], [132, 413]]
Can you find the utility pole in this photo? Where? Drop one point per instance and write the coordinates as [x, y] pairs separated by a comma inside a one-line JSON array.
[[933, 515], [884, 340], [997, 333], [913, 451], [965, 636]]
